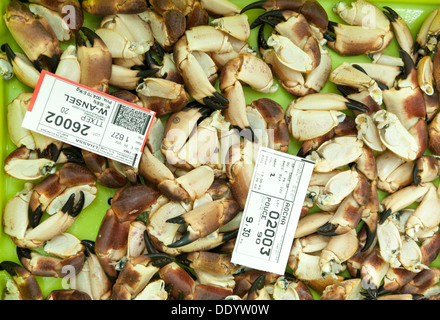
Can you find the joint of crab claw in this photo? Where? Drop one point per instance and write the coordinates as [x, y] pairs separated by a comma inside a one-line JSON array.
[[74, 209]]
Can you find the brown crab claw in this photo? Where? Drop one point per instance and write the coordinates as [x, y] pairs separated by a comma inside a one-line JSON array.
[[22, 67], [217, 213], [108, 7], [312, 10], [34, 36], [95, 60], [69, 10], [24, 282]]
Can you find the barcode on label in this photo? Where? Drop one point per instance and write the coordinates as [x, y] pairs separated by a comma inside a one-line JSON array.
[[131, 119]]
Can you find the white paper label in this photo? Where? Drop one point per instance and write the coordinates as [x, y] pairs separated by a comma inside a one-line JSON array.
[[272, 210], [88, 119]]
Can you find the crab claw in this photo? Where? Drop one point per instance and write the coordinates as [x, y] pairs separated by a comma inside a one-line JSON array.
[[312, 10], [217, 213], [326, 108], [426, 40], [34, 36], [368, 30], [22, 67], [23, 286], [107, 7], [354, 76], [6, 69], [95, 60], [194, 77], [24, 164], [162, 96], [248, 69], [401, 31], [128, 79]]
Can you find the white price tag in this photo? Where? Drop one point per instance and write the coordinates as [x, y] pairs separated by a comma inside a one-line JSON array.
[[88, 119], [272, 210]]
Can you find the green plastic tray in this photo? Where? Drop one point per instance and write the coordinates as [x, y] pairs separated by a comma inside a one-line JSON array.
[[88, 222]]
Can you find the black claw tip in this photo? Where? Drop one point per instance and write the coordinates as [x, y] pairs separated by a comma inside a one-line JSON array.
[[35, 216], [371, 237], [408, 63], [9, 52], [416, 177], [358, 67], [384, 216], [23, 253], [147, 73], [391, 14], [184, 240], [258, 284], [160, 259], [329, 37], [230, 235], [178, 219], [89, 247], [328, 229], [261, 40], [255, 5], [356, 105], [346, 90], [74, 209], [9, 267], [148, 244]]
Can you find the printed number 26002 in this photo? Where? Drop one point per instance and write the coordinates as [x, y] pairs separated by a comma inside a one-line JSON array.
[[66, 123]]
